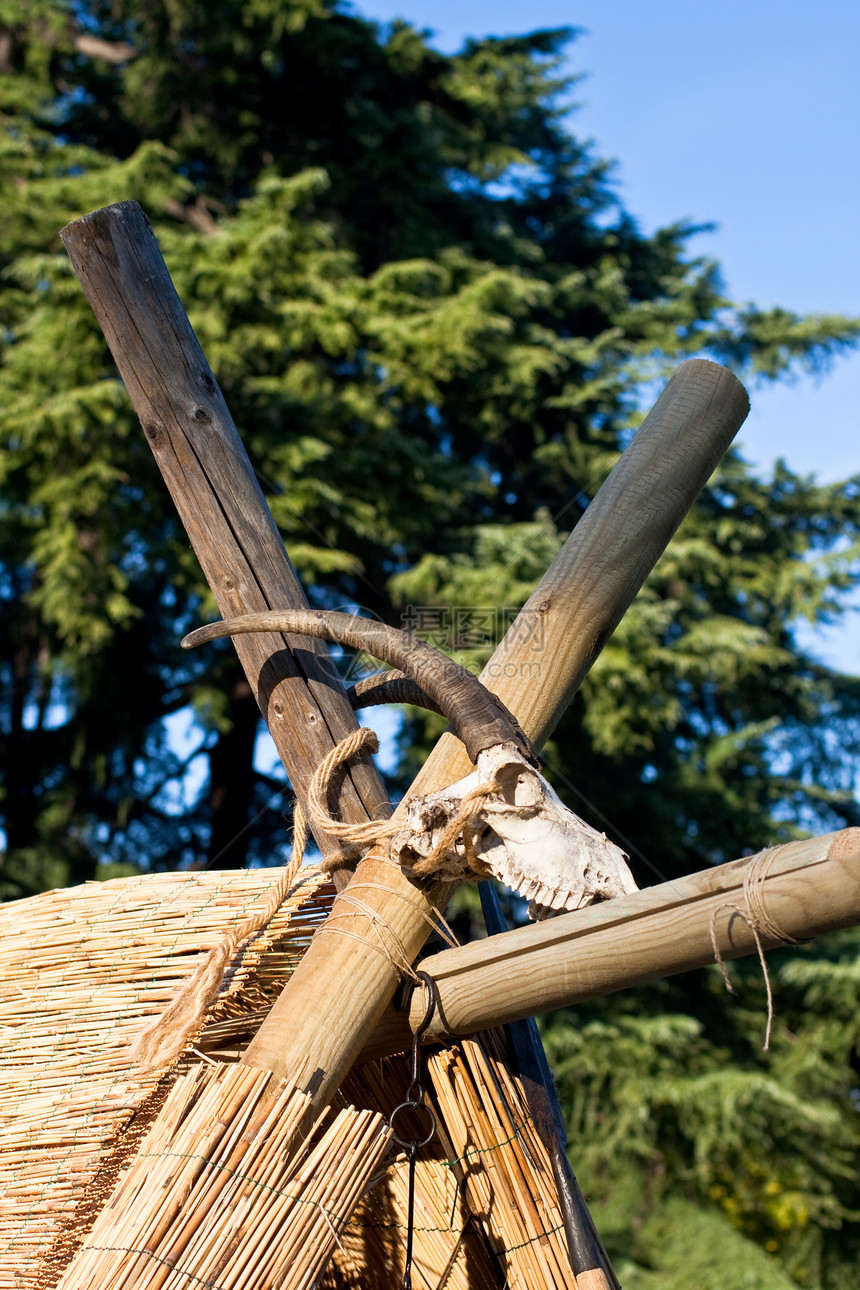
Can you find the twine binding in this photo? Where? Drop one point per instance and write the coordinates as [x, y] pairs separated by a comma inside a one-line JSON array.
[[756, 916], [164, 1040], [387, 942]]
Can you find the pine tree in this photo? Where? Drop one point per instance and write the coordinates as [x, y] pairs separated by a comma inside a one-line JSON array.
[[700, 1153], [436, 327]]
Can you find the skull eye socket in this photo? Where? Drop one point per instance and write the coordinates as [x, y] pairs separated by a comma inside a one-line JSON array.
[[518, 786]]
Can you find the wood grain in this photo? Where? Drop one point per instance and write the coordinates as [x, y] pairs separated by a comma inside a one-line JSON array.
[[334, 1001], [211, 480], [337, 997], [811, 887]]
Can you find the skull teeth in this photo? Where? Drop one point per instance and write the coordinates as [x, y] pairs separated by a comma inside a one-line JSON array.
[[532, 888]]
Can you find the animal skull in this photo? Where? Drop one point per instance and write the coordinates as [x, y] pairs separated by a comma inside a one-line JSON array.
[[519, 831], [526, 837]]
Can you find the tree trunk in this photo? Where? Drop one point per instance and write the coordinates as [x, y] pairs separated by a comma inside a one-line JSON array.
[[231, 770], [20, 797]]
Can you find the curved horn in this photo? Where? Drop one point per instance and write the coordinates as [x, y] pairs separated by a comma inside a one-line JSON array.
[[389, 687], [479, 718]]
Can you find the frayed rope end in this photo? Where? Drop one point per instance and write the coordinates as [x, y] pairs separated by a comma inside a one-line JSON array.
[[164, 1040]]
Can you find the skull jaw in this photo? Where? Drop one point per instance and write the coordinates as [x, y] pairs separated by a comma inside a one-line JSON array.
[[525, 837]]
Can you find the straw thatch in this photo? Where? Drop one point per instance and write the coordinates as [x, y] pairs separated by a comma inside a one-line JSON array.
[[487, 1211], [83, 970], [226, 1190]]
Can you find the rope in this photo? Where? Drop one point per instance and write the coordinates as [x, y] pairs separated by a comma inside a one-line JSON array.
[[163, 1041], [756, 916], [388, 943], [371, 832], [365, 834]]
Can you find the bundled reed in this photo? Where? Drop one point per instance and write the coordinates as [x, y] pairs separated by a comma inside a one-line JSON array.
[[449, 1247], [501, 1162], [486, 1204], [226, 1190], [81, 972]]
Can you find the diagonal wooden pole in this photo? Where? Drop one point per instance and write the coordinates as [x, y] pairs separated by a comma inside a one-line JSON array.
[[204, 463], [332, 1003]]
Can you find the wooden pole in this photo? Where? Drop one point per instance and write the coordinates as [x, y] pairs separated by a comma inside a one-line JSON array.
[[589, 1261], [333, 1002], [211, 480], [808, 888], [576, 607]]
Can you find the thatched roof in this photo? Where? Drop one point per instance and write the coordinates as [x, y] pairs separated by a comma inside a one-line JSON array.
[[82, 970]]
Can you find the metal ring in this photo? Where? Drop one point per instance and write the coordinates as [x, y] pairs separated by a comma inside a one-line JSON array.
[[412, 1106]]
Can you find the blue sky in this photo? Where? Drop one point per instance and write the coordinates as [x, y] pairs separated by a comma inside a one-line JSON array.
[[745, 113]]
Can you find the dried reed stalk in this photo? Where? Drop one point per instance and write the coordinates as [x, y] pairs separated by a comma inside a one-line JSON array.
[[230, 1193], [501, 1162], [449, 1248], [96, 962], [81, 972], [487, 1210]]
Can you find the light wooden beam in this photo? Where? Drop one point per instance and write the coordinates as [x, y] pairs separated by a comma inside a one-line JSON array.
[[809, 888]]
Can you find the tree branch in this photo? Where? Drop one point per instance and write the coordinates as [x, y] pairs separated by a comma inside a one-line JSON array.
[[111, 51]]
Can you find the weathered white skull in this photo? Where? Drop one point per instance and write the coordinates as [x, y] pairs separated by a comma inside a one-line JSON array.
[[525, 836], [520, 832]]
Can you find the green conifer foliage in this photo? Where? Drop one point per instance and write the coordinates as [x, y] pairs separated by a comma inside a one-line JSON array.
[[436, 328]]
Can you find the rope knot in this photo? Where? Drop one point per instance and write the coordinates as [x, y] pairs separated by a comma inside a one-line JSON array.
[[362, 835], [162, 1042]]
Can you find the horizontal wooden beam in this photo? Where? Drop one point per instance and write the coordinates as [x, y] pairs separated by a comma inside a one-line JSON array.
[[807, 888]]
